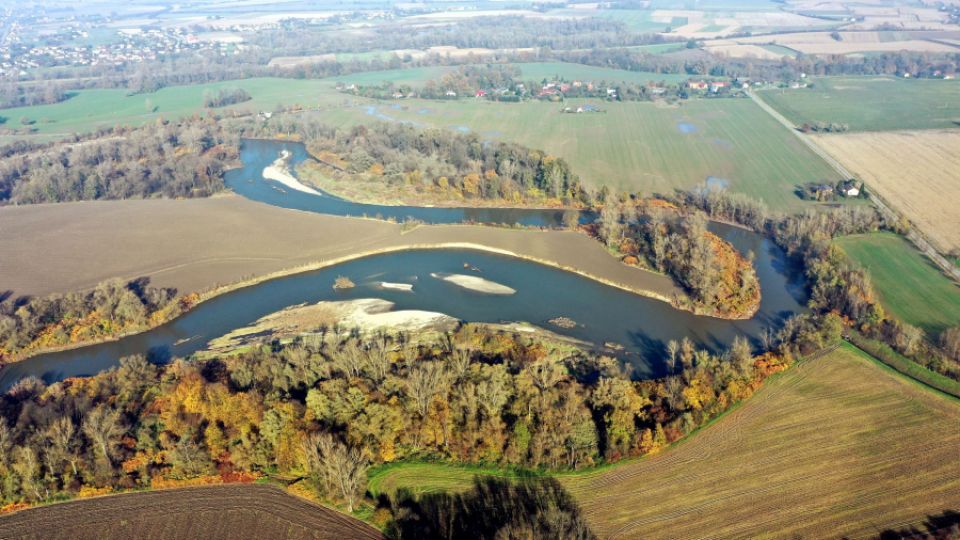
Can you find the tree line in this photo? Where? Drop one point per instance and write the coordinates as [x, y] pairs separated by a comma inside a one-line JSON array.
[[835, 283], [172, 159], [225, 97]]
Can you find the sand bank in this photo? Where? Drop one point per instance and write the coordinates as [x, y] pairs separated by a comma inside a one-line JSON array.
[[475, 283]]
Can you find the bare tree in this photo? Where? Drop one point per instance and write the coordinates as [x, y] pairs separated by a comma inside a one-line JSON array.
[[426, 379], [337, 468], [103, 427]]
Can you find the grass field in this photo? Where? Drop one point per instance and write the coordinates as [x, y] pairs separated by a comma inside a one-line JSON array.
[[910, 287], [637, 146], [839, 446], [211, 512], [91, 109], [872, 103], [547, 70], [643, 147]]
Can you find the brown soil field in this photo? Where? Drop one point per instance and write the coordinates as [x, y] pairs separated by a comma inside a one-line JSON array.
[[853, 42], [918, 172], [835, 447], [203, 513], [200, 244]]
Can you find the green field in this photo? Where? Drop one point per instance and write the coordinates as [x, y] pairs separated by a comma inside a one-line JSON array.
[[837, 446], [635, 146], [872, 103], [91, 109], [910, 287], [637, 20], [780, 49], [548, 70], [414, 76], [659, 48]]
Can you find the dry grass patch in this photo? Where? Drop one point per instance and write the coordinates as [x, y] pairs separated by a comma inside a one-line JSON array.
[[839, 446], [917, 171]]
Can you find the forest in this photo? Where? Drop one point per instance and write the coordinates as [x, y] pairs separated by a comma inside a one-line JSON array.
[[435, 160], [110, 309], [322, 409], [717, 278], [172, 159]]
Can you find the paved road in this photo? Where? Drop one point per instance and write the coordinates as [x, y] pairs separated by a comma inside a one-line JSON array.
[[886, 210]]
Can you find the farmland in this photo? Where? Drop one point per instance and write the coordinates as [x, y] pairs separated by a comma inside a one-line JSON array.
[[637, 146], [838, 446], [633, 146], [212, 512], [910, 287], [871, 103], [92, 109], [64, 247], [538, 71], [916, 171]]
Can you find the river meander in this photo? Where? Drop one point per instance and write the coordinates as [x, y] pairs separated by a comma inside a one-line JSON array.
[[603, 313]]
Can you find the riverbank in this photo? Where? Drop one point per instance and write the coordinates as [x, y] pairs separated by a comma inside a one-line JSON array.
[[73, 246]]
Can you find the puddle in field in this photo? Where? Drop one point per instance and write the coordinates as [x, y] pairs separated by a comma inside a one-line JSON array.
[[686, 127], [723, 143], [715, 182]]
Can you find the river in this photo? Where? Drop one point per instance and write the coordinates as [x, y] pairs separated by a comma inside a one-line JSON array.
[[603, 313]]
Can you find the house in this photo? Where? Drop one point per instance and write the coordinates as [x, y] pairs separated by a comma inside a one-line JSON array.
[[850, 188], [564, 87], [822, 191], [450, 93], [717, 85], [397, 95], [697, 85], [481, 93]]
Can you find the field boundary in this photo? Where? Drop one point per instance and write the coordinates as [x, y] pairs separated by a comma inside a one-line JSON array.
[[916, 237]]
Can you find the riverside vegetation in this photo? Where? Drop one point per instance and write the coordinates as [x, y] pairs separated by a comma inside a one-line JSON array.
[[322, 409]]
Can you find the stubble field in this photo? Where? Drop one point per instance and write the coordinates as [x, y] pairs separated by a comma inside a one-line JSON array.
[[840, 446], [918, 172], [198, 244]]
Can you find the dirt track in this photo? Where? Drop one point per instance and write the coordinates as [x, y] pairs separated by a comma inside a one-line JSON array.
[[195, 245], [209, 513]]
